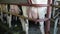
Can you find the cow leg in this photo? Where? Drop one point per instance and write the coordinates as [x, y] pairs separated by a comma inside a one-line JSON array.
[[1, 16], [41, 13], [5, 18], [9, 20], [55, 26], [25, 25], [42, 26]]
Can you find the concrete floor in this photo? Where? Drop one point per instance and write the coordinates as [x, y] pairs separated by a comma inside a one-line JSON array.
[[33, 29]]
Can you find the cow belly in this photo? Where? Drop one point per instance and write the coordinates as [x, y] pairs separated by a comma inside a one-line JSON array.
[[38, 11], [34, 12], [30, 12]]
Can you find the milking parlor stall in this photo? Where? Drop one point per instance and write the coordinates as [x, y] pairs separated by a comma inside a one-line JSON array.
[[29, 16]]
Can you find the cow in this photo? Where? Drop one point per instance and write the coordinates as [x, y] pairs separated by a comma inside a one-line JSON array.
[[3, 15], [12, 18], [35, 12]]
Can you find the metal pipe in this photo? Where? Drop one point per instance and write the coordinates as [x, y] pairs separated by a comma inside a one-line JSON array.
[[47, 24], [34, 5], [55, 26], [29, 2], [54, 8], [56, 15]]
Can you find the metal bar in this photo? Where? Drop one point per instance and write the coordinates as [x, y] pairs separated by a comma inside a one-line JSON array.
[[56, 15], [47, 24], [40, 5], [55, 26], [34, 5], [54, 8], [23, 17], [29, 1]]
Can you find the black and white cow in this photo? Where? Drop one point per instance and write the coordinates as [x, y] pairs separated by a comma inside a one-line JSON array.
[[3, 15], [35, 12]]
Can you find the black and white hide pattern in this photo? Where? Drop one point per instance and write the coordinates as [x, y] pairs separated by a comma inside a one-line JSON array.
[[35, 12], [13, 20]]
